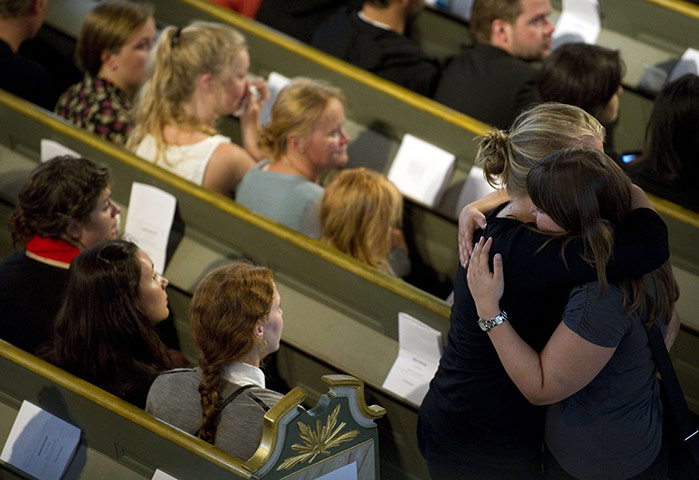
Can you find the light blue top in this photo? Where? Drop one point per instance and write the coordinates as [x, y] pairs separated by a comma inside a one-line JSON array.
[[290, 200]]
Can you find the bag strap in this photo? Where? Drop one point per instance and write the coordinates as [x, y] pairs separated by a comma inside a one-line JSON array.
[[673, 392], [232, 397]]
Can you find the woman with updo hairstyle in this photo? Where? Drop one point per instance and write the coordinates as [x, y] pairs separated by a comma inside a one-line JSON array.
[[669, 166], [592, 430], [587, 76], [113, 47], [195, 75], [474, 422], [64, 206], [236, 320], [305, 138], [360, 214], [105, 331]]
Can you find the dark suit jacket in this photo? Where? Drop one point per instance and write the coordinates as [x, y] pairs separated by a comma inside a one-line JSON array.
[[382, 52], [26, 78], [299, 18], [488, 84]]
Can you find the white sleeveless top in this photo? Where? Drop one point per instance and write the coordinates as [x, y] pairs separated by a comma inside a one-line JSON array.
[[187, 161]]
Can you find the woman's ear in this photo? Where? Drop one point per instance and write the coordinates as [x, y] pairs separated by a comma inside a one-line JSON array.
[[297, 143], [74, 229], [106, 58], [259, 331], [206, 82]]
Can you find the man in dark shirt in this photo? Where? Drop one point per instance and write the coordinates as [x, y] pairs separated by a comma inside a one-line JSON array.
[[492, 81], [19, 21], [374, 40]]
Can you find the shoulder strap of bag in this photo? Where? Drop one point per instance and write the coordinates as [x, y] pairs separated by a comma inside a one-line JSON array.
[[232, 397], [673, 392]]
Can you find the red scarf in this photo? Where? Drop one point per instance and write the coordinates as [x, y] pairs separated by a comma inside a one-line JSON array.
[[53, 249]]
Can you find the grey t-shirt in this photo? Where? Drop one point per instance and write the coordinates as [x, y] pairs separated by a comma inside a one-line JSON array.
[[612, 428], [291, 200], [174, 398]]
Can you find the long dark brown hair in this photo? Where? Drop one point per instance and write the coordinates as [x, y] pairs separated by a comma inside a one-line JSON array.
[[224, 311], [588, 196], [100, 333]]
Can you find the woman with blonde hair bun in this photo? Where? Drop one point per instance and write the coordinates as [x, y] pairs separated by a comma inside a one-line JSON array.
[[197, 74], [305, 138], [236, 320], [360, 215], [474, 422]]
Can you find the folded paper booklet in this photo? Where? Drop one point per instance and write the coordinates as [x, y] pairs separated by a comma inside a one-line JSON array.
[[149, 221], [421, 170], [160, 475], [420, 348], [348, 472], [275, 83], [579, 22], [40, 443], [688, 63], [51, 149]]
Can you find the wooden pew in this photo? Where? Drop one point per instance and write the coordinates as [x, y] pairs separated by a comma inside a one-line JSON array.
[[118, 440], [341, 316], [122, 441]]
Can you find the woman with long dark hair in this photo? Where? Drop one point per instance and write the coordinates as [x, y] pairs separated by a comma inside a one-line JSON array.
[[105, 331]]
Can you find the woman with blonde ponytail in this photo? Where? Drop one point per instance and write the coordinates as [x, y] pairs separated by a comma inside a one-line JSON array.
[[236, 320], [197, 74], [474, 422]]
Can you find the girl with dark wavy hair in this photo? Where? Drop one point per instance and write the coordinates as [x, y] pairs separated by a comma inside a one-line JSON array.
[[105, 331], [236, 320]]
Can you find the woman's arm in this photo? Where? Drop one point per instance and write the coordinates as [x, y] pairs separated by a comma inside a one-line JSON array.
[[567, 363], [250, 119], [472, 217], [226, 168]]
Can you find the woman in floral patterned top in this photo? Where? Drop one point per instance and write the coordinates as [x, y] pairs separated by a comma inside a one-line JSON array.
[[113, 48]]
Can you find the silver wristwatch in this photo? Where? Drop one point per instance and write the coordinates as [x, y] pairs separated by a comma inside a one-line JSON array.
[[493, 322]]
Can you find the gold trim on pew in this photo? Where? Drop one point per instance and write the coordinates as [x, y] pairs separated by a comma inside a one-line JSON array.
[[666, 207], [121, 408], [355, 73], [346, 262], [679, 6], [370, 411], [318, 442], [271, 425]]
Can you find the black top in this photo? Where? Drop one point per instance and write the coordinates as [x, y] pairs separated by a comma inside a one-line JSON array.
[[26, 78], [380, 51], [684, 193], [299, 18], [488, 84], [472, 403], [30, 297]]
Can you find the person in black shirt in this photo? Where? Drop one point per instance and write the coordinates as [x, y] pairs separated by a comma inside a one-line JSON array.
[[374, 40], [19, 75]]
